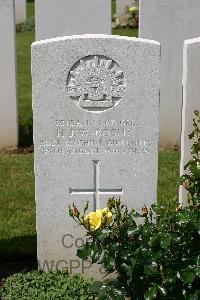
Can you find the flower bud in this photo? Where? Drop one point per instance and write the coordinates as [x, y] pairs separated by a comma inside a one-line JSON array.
[[76, 212], [144, 211], [186, 184], [71, 212], [111, 203]]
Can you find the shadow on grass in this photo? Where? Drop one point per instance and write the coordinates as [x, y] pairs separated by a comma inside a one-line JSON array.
[[17, 254], [26, 133]]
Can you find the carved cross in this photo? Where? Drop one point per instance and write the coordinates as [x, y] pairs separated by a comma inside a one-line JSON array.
[[96, 192]]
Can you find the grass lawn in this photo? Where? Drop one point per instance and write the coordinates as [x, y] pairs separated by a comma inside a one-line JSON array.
[[24, 41], [30, 9], [17, 213]]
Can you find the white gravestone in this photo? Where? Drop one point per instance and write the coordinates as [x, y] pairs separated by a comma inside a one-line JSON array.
[[191, 101], [20, 11], [170, 22], [8, 99], [96, 109], [68, 17], [121, 6]]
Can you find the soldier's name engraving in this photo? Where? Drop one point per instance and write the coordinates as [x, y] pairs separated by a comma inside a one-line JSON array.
[[95, 137]]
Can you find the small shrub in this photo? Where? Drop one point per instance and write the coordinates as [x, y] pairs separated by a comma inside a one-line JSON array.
[[29, 25], [130, 18], [46, 286]]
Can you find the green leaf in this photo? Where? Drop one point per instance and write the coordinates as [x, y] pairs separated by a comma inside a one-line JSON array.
[[162, 290], [131, 232], [151, 293], [191, 135], [195, 169], [194, 296], [84, 251], [110, 293], [103, 233], [86, 207], [109, 262], [133, 262], [198, 261], [188, 277], [184, 217], [127, 269], [150, 270], [197, 271], [95, 253], [165, 242]]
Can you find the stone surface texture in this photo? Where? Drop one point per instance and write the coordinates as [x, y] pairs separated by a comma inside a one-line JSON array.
[[20, 11], [8, 102], [96, 123], [191, 101], [60, 18], [170, 23]]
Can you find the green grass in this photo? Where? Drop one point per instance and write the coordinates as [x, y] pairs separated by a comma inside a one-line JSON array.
[[126, 32], [113, 7], [30, 10], [168, 176], [23, 44], [17, 213], [24, 41]]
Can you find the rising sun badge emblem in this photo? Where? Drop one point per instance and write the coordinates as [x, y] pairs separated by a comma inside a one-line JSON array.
[[96, 83]]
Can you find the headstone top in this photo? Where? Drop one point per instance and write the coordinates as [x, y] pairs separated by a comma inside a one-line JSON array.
[[68, 17], [20, 11], [191, 41], [95, 36]]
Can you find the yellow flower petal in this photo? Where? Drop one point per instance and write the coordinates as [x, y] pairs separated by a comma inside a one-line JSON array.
[[95, 218]]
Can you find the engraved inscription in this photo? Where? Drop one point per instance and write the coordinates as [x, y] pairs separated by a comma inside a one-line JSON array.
[[96, 83], [96, 137], [97, 191]]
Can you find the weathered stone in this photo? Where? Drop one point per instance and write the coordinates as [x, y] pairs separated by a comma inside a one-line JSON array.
[[170, 23], [191, 101], [8, 101], [60, 18], [20, 11], [122, 5], [96, 107]]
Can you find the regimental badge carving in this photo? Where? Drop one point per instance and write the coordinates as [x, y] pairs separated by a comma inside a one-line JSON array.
[[96, 83]]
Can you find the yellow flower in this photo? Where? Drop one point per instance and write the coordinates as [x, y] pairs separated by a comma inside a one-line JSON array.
[[96, 219], [132, 9], [179, 208]]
